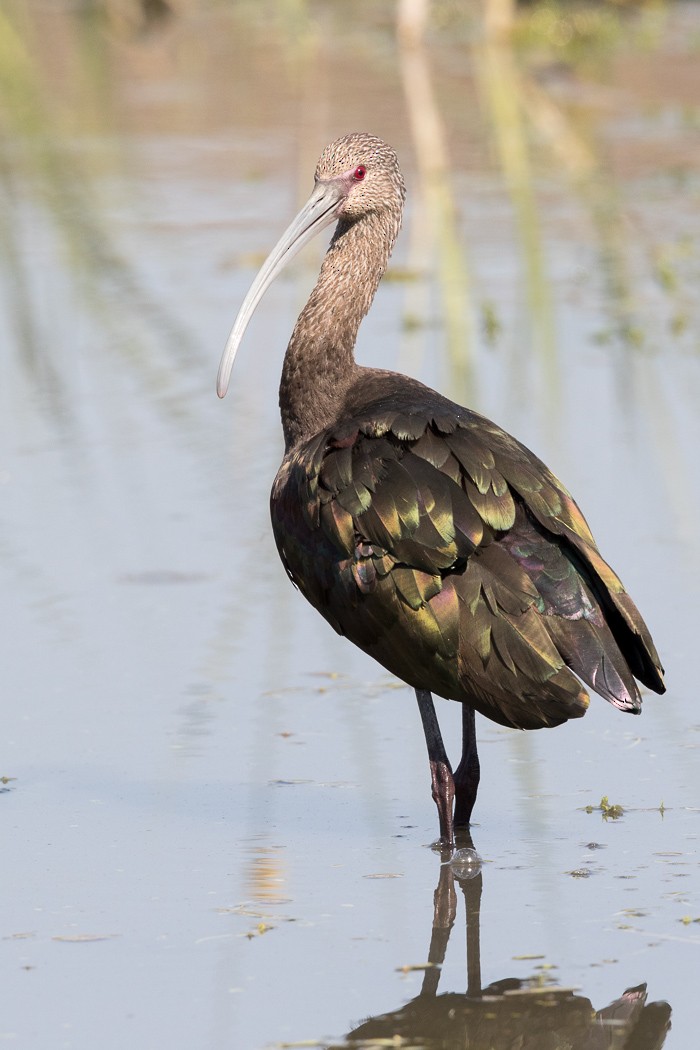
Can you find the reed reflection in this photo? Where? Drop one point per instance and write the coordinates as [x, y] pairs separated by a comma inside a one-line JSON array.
[[531, 1014]]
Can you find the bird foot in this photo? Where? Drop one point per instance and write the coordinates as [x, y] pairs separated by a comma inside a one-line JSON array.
[[443, 794]]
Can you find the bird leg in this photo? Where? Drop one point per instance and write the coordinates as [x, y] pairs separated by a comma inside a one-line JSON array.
[[467, 773], [440, 768]]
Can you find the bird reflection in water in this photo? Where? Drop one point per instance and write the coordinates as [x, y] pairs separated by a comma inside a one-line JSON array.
[[507, 1014]]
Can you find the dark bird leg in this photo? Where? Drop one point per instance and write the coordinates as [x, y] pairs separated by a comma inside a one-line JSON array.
[[467, 773], [440, 768]]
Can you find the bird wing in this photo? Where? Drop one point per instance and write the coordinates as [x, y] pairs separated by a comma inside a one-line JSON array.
[[552, 507], [453, 556]]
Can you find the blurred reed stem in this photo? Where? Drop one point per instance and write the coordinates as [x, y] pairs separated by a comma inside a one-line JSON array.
[[500, 86], [436, 228]]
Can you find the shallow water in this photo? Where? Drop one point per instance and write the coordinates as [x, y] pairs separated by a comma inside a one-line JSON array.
[[217, 814]]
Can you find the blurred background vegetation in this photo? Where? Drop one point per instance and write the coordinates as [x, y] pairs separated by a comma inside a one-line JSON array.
[[601, 97]]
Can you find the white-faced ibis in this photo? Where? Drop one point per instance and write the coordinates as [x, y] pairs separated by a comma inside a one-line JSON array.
[[423, 532]]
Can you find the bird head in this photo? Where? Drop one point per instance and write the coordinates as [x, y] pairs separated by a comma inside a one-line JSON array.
[[366, 171], [356, 175]]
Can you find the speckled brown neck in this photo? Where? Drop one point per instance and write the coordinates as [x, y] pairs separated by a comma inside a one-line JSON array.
[[319, 365]]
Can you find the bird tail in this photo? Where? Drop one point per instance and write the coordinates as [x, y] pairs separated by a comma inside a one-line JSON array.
[[631, 634], [592, 652]]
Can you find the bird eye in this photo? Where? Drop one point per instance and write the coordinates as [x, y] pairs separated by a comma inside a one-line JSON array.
[[359, 173]]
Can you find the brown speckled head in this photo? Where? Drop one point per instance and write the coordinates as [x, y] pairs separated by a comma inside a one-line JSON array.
[[371, 170]]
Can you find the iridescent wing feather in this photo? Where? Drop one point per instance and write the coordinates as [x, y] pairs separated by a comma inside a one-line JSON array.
[[447, 551]]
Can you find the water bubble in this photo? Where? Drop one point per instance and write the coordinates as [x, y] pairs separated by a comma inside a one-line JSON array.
[[465, 863]]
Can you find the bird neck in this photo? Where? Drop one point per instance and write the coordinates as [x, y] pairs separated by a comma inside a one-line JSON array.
[[319, 365]]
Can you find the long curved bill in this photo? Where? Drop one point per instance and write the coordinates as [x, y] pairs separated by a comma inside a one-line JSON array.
[[320, 211]]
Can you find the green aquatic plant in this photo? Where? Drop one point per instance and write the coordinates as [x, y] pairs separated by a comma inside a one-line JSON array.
[[610, 812]]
